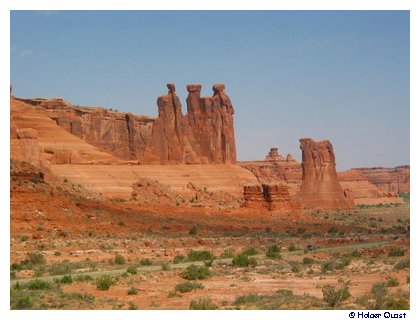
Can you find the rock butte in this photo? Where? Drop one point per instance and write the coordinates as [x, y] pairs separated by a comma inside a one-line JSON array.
[[320, 187], [368, 186], [112, 152]]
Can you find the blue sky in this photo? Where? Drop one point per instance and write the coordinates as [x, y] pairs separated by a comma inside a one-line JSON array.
[[337, 75]]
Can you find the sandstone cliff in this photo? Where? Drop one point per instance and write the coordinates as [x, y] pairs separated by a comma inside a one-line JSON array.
[[389, 180], [204, 135], [320, 187]]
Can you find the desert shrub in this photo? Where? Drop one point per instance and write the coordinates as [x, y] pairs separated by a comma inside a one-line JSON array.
[[104, 282], [132, 270], [379, 293], [193, 272], [203, 304], [66, 279], [23, 303], [121, 223], [227, 253], [327, 266], [39, 285], [273, 252], [250, 252], [308, 261], [193, 231], [402, 264], [179, 258], [36, 258], [199, 255], [334, 297], [392, 282], [119, 259], [132, 291], [243, 260], [165, 266], [355, 254], [396, 252], [295, 268], [63, 267], [188, 286], [145, 262], [292, 247], [83, 278], [132, 306], [399, 304], [332, 230]]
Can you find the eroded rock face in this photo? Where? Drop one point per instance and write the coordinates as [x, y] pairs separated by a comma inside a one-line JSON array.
[[389, 180], [204, 135], [274, 197], [273, 155], [320, 187]]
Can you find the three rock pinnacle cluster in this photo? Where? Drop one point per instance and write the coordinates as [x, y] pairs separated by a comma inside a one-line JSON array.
[[203, 135]]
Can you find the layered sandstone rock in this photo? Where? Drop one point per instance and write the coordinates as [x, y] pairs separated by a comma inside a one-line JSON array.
[[389, 180], [204, 135], [39, 139], [288, 172], [273, 155], [274, 197], [320, 187], [363, 191]]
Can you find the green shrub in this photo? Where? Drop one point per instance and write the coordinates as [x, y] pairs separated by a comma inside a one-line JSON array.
[[65, 266], [402, 264], [292, 247], [104, 282], [308, 261], [203, 304], [199, 255], [400, 304], [179, 258], [188, 286], [39, 285], [227, 253], [165, 266], [132, 291], [392, 282], [67, 279], [250, 252], [193, 231], [119, 259], [145, 262], [23, 303], [243, 260], [132, 270], [36, 258], [396, 252], [379, 292], [327, 266], [332, 230], [273, 252], [132, 306], [335, 297], [193, 272]]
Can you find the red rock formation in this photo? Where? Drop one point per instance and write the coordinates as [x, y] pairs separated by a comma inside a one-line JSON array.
[[363, 191], [253, 196], [273, 155], [389, 180], [320, 187], [288, 172], [204, 135], [274, 197]]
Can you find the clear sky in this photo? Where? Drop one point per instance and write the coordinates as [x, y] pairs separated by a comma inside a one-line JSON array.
[[337, 75]]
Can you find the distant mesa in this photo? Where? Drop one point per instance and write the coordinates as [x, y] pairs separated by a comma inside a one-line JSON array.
[[273, 155]]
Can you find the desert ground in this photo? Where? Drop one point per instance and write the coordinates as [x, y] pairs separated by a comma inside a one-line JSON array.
[[68, 246]]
